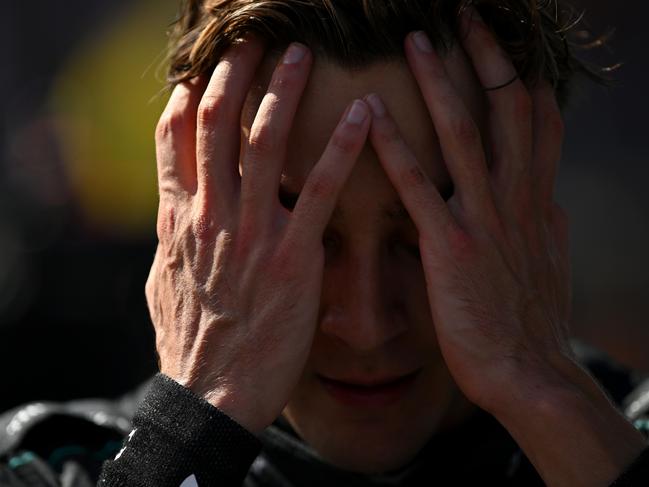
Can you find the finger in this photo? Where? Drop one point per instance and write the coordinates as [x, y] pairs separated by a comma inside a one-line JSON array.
[[560, 228], [548, 139], [421, 198], [176, 139], [459, 136], [509, 101], [219, 122], [319, 195], [264, 152]]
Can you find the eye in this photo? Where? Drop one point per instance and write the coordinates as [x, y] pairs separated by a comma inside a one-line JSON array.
[[446, 192], [331, 243], [412, 250], [287, 198]]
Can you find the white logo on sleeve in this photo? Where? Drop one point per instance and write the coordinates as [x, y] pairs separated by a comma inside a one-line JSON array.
[[130, 437], [190, 482]]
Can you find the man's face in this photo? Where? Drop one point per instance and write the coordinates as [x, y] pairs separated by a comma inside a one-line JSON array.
[[375, 386]]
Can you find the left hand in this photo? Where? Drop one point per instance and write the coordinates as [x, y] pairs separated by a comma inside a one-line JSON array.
[[495, 255], [495, 258]]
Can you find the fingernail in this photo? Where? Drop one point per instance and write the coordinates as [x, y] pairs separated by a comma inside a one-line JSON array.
[[294, 54], [378, 109], [422, 42], [357, 113]]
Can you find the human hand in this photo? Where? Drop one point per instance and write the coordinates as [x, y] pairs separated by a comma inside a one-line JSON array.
[[495, 255], [235, 285], [496, 262]]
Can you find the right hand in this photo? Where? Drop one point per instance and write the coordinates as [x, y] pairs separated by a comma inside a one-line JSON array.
[[234, 289]]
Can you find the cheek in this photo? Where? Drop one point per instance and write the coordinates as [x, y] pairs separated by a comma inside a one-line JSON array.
[[406, 279]]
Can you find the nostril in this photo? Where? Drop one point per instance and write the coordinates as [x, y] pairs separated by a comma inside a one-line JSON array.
[[360, 326]]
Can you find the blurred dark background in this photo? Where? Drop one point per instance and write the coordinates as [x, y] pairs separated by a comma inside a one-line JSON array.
[[81, 84]]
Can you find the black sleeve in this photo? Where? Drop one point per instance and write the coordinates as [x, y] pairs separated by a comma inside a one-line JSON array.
[[180, 438], [637, 475]]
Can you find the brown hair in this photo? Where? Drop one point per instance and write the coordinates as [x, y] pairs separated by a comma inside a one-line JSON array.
[[356, 33]]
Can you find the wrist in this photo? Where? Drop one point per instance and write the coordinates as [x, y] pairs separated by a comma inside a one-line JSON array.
[[231, 401], [240, 410], [567, 426], [538, 384]]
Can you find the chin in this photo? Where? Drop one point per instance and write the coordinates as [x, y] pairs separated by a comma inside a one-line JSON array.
[[371, 439], [371, 455]]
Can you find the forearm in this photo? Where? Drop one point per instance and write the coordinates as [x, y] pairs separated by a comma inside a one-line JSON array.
[[569, 430]]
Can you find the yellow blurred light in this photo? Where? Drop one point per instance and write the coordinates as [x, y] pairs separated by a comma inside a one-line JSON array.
[[107, 100]]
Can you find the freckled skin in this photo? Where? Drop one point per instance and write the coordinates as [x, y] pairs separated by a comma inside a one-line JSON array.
[[374, 316]]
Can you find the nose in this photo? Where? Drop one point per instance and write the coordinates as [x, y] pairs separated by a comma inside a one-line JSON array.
[[360, 306]]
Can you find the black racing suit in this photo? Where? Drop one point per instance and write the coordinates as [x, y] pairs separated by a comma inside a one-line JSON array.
[[163, 435]]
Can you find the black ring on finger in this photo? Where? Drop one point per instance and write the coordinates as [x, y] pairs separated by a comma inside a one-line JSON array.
[[503, 85]]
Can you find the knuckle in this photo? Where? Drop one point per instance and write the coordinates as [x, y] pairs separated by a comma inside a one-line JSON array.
[[211, 109], [283, 80], [465, 131], [413, 176], [460, 243], [170, 123], [166, 223], [343, 142], [150, 287], [389, 134], [435, 71], [321, 187], [203, 226], [261, 141], [285, 77], [521, 103]]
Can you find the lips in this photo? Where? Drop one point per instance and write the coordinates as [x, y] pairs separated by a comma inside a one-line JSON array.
[[369, 392]]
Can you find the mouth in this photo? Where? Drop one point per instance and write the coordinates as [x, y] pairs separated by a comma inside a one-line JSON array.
[[369, 393]]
